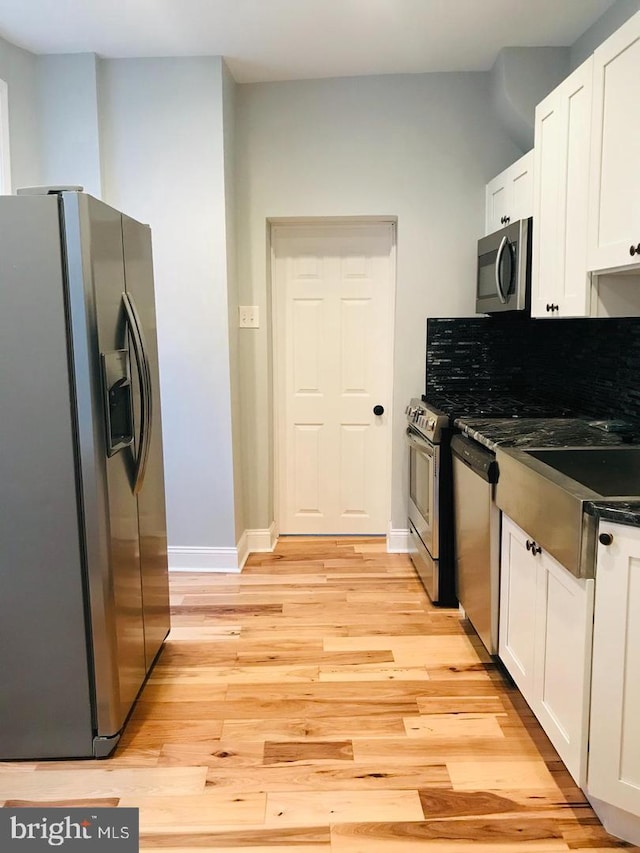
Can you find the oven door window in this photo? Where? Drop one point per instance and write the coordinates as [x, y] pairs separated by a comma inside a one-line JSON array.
[[421, 484], [423, 511]]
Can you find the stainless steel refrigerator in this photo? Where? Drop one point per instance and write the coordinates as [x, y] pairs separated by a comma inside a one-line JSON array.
[[84, 601]]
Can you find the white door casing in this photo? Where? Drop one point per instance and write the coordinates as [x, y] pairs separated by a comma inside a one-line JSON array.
[[333, 293]]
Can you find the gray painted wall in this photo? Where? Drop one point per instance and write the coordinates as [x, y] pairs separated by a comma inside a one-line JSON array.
[[520, 78], [68, 102], [608, 23], [419, 147], [163, 162], [18, 68]]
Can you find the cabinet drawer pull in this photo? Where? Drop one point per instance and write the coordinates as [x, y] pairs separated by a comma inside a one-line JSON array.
[[632, 250]]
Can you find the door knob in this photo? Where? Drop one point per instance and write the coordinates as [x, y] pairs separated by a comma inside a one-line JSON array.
[[378, 410]]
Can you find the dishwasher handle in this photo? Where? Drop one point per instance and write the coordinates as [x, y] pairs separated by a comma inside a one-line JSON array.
[[476, 457]]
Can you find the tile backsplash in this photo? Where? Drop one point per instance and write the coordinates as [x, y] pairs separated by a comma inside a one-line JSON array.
[[593, 365]]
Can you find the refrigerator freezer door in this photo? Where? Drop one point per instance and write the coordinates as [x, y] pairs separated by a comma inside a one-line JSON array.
[[151, 504], [45, 685], [96, 282]]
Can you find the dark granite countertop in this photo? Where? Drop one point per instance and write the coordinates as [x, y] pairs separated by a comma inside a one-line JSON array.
[[556, 432], [621, 512], [540, 432]]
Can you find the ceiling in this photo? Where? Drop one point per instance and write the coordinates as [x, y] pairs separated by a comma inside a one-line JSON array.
[[301, 39]]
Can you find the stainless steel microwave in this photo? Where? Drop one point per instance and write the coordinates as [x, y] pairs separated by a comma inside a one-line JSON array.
[[504, 269]]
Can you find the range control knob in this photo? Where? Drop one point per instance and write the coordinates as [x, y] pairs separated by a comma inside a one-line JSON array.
[[431, 423]]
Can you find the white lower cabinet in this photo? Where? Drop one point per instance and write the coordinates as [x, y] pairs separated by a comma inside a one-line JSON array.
[[546, 619], [614, 751]]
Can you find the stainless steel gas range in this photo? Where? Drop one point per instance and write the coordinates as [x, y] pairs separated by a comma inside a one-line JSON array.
[[430, 522]]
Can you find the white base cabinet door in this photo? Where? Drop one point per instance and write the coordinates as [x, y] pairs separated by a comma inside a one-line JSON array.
[[518, 581], [562, 662], [546, 618], [614, 757]]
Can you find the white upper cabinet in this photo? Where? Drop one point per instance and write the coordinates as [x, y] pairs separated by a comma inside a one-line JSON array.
[[614, 210], [560, 281], [509, 196]]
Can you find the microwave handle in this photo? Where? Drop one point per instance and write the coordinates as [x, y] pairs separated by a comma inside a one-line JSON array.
[[499, 288]]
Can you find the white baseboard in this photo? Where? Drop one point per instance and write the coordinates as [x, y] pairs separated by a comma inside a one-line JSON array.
[[256, 541], [190, 559], [397, 541], [262, 540], [243, 549]]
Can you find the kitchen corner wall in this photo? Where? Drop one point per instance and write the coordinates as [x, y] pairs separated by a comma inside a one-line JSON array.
[[608, 23], [155, 138], [418, 147], [19, 70], [68, 107], [162, 136]]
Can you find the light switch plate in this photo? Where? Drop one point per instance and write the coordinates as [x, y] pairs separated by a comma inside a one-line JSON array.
[[248, 317]]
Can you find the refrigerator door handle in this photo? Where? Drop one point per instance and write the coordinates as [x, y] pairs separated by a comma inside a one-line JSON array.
[[144, 372]]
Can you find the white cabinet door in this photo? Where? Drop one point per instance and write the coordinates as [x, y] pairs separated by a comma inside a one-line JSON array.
[[510, 194], [560, 281], [614, 209], [518, 581], [562, 662], [545, 630], [614, 757]]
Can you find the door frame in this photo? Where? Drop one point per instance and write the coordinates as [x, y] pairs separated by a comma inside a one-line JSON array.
[[276, 349]]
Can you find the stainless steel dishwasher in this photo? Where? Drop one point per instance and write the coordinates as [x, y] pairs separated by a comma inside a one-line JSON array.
[[477, 536]]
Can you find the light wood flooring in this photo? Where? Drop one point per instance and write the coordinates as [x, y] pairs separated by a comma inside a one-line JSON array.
[[318, 703]]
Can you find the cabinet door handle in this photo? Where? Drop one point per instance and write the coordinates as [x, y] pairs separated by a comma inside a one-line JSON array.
[[605, 539], [531, 546], [632, 250]]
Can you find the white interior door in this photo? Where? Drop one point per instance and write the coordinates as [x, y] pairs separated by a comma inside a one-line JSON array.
[[334, 301]]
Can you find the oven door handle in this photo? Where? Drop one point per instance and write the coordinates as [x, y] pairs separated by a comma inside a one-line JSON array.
[[419, 443]]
